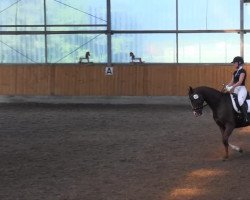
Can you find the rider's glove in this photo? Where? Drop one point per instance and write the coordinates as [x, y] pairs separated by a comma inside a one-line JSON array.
[[228, 88]]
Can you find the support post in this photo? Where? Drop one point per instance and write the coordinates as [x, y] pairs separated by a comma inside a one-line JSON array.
[[177, 33], [45, 32], [242, 28], [109, 58]]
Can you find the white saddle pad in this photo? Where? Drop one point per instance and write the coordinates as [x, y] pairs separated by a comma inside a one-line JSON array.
[[235, 107]]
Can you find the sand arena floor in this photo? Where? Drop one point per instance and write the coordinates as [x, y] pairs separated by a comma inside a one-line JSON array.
[[117, 152]]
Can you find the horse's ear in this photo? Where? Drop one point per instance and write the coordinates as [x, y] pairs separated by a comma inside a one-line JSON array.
[[190, 90]]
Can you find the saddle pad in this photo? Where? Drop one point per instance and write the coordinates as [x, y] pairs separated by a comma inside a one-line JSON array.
[[235, 107]]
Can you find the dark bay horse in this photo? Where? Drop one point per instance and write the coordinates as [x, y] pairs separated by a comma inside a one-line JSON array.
[[223, 112]]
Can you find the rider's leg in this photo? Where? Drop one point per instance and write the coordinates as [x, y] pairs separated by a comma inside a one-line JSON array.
[[243, 109], [242, 93]]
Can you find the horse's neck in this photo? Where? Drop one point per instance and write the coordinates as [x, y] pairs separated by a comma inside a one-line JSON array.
[[213, 98]]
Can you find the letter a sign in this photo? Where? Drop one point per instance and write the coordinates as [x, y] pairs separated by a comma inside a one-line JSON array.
[[108, 70]]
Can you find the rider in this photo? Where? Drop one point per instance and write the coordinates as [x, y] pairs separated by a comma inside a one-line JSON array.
[[237, 84]]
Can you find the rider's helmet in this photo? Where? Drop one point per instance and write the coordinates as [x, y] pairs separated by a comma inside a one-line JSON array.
[[239, 60]]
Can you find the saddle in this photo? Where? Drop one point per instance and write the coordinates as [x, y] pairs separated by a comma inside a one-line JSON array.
[[236, 105]]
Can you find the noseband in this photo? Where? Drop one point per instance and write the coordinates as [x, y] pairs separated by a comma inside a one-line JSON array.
[[199, 107]]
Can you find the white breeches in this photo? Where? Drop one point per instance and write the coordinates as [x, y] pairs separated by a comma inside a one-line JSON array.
[[241, 91]]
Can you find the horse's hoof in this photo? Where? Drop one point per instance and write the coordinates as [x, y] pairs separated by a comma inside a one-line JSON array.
[[241, 151], [225, 158]]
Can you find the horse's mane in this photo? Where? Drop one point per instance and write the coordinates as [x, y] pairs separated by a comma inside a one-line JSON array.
[[206, 89], [210, 91]]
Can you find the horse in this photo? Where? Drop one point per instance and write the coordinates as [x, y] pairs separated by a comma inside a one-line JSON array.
[[223, 112]]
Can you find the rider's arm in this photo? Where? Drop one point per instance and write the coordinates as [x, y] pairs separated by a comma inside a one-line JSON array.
[[231, 82], [241, 78]]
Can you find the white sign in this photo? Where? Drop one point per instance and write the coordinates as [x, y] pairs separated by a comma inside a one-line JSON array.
[[108, 70]]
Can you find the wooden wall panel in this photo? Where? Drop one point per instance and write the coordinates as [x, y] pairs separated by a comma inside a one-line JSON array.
[[32, 80], [7, 80], [127, 80]]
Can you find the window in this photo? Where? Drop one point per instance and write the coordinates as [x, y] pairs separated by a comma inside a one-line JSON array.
[[208, 47], [209, 14], [22, 49], [69, 48], [208, 30], [247, 48], [143, 15], [156, 48], [247, 15], [77, 12], [23, 12]]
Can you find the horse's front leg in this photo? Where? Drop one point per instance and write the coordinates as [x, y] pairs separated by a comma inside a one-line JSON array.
[[236, 148], [225, 136], [224, 140]]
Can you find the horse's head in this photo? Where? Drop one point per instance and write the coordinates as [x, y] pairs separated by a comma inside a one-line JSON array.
[[197, 101]]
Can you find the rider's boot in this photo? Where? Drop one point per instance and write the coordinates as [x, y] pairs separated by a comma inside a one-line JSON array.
[[243, 109]]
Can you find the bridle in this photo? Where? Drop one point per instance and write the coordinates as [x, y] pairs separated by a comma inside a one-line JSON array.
[[199, 107]]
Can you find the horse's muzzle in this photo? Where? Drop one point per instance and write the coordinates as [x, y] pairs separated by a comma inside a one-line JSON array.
[[197, 113]]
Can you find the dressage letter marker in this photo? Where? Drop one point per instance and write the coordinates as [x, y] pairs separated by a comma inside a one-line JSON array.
[[109, 71]]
